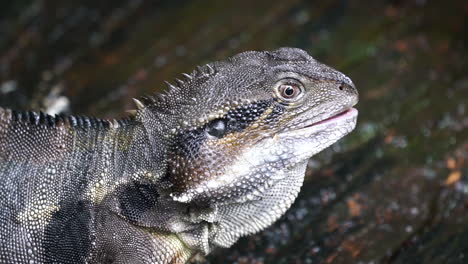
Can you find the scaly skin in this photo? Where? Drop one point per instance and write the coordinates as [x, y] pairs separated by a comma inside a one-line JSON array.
[[219, 156]]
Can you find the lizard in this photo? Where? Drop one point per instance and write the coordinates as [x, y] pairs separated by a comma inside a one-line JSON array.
[[219, 155]]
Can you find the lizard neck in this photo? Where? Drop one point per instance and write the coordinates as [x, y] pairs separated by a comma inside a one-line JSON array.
[[118, 155]]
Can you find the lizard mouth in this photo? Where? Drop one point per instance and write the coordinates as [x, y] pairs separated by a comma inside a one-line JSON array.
[[342, 115], [347, 115]]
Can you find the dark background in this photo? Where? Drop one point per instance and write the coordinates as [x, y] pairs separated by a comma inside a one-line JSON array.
[[394, 191]]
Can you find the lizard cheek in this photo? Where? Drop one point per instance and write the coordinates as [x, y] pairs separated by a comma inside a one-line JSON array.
[[192, 171], [214, 170]]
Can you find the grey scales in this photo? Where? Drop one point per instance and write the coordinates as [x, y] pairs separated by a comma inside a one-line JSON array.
[[219, 155]]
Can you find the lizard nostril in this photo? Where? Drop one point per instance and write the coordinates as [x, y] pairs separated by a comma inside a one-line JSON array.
[[341, 87]]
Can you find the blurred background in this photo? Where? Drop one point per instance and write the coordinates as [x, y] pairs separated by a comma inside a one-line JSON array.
[[393, 191]]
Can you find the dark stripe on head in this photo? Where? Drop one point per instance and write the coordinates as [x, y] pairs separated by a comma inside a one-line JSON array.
[[187, 143]]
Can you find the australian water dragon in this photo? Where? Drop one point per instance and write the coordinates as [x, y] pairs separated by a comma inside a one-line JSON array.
[[220, 155]]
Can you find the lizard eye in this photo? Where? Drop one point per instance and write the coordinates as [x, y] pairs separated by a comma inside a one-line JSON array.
[[216, 128], [289, 90]]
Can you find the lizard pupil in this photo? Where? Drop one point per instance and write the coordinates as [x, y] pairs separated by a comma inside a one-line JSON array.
[[216, 128], [289, 91]]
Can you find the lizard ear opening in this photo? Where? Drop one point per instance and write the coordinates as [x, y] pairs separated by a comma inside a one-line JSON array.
[[216, 128]]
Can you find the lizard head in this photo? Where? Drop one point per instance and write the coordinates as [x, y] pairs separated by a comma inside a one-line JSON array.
[[239, 133]]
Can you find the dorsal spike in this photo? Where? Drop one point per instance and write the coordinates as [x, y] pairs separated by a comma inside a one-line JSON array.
[[211, 70], [138, 104], [106, 123], [91, 122], [188, 76], [73, 121], [7, 114], [97, 123], [41, 118], [86, 122], [114, 123], [147, 99], [161, 96], [179, 82], [170, 85], [79, 122], [59, 120], [199, 70], [23, 116], [18, 115], [33, 117]]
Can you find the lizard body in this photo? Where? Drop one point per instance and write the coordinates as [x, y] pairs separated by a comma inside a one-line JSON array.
[[220, 155]]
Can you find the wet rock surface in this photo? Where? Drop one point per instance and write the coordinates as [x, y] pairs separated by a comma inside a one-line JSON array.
[[394, 191]]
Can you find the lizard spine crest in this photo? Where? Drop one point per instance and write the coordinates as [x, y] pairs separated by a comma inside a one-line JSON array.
[[78, 122]]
